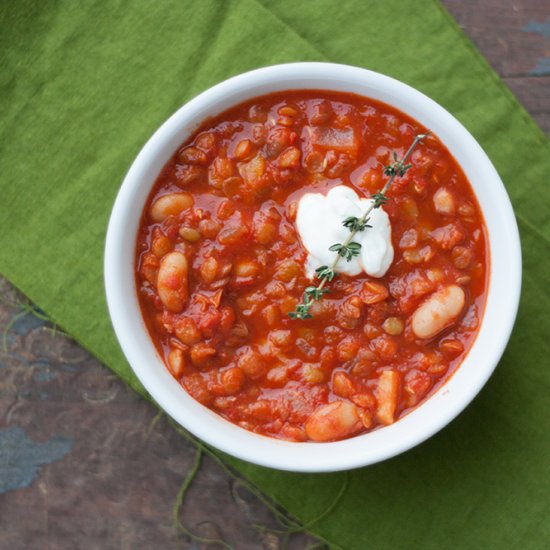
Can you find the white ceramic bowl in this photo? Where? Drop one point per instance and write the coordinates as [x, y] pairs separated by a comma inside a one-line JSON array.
[[427, 419]]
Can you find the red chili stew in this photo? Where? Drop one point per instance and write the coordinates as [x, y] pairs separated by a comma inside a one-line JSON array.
[[219, 266]]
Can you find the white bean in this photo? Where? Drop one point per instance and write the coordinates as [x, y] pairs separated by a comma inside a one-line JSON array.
[[172, 283], [176, 362], [444, 201], [170, 205], [386, 396], [336, 420], [438, 312]]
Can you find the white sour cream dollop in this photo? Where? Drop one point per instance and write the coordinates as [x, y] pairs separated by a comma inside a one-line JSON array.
[[319, 221]]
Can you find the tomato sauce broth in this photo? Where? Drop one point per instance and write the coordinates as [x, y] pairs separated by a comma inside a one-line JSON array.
[[219, 266]]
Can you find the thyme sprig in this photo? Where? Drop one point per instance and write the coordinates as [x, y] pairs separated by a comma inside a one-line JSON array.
[[349, 248]]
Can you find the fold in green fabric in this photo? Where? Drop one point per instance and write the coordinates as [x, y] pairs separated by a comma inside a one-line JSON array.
[[83, 86]]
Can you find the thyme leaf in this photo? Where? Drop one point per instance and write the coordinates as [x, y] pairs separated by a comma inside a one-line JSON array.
[[353, 223]]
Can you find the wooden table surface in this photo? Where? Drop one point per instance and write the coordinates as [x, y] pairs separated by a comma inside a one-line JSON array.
[[85, 463]]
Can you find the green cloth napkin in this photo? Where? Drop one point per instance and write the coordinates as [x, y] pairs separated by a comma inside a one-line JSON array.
[[83, 86]]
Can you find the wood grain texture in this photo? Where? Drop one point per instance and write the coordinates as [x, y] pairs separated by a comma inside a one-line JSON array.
[[105, 470], [514, 37]]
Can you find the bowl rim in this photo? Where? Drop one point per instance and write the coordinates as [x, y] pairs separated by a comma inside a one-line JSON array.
[[365, 449]]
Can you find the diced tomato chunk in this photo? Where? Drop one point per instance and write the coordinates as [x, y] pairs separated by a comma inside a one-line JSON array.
[[325, 137]]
